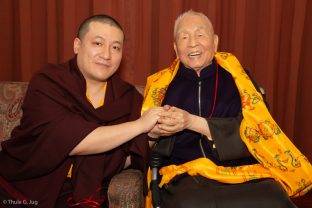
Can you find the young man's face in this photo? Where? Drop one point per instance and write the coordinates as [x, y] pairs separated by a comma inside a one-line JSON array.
[[99, 52], [195, 44]]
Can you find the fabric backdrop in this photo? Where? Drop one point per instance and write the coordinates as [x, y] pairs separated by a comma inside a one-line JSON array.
[[272, 38]]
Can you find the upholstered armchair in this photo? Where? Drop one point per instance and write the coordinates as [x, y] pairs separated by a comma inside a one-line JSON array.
[[125, 189]]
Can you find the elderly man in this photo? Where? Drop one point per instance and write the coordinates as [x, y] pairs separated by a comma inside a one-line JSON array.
[[224, 137], [81, 125]]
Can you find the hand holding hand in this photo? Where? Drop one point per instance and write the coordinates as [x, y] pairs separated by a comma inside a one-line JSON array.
[[149, 118], [173, 120]]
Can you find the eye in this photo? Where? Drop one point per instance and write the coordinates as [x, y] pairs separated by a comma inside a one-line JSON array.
[[116, 48], [97, 43], [183, 37]]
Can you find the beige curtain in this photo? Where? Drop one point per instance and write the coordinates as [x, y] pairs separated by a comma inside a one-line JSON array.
[[271, 38]]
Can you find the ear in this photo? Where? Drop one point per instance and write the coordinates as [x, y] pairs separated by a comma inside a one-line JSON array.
[[175, 49], [215, 42], [77, 44]]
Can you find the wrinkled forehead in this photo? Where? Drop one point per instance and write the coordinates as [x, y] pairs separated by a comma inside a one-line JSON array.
[[193, 22]]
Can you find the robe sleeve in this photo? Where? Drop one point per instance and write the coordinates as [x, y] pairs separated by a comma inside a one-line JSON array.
[[226, 137], [52, 125], [225, 133], [138, 148]]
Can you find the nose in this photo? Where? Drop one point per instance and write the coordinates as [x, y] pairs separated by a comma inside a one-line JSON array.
[[192, 41], [106, 52]]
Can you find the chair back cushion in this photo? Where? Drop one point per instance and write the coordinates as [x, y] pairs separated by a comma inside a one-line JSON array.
[[11, 98]]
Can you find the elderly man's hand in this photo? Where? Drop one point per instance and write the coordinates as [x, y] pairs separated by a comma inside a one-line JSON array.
[[173, 120]]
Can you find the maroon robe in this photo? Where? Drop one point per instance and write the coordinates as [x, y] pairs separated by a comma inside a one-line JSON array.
[[56, 117]]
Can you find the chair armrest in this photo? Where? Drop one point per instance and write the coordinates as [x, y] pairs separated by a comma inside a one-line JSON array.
[[126, 190]]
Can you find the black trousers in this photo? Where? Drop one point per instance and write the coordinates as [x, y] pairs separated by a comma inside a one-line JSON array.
[[200, 192]]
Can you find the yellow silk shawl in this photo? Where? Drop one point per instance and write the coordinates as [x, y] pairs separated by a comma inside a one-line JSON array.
[[278, 158]]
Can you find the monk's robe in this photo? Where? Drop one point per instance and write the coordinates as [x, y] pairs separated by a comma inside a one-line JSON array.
[[56, 117]]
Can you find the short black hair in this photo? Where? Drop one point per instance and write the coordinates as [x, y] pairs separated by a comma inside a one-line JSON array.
[[103, 18]]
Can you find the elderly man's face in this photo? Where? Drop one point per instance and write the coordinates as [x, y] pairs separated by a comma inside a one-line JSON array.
[[99, 51], [195, 44]]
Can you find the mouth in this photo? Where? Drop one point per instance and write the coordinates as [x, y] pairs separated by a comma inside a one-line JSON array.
[[194, 54], [103, 64]]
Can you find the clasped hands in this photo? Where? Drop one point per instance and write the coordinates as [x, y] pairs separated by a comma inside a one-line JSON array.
[[171, 120]]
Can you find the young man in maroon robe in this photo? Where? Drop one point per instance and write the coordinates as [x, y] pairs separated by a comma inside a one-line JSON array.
[[81, 125]]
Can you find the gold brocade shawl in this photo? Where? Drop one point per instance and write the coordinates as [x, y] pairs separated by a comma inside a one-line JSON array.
[[278, 158]]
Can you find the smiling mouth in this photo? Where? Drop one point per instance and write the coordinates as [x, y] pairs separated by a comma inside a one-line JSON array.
[[194, 54], [103, 64]]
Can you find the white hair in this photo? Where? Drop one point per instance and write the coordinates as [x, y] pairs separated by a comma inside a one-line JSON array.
[[189, 13]]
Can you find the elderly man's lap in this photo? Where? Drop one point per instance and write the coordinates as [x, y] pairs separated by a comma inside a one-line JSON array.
[[201, 192]]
